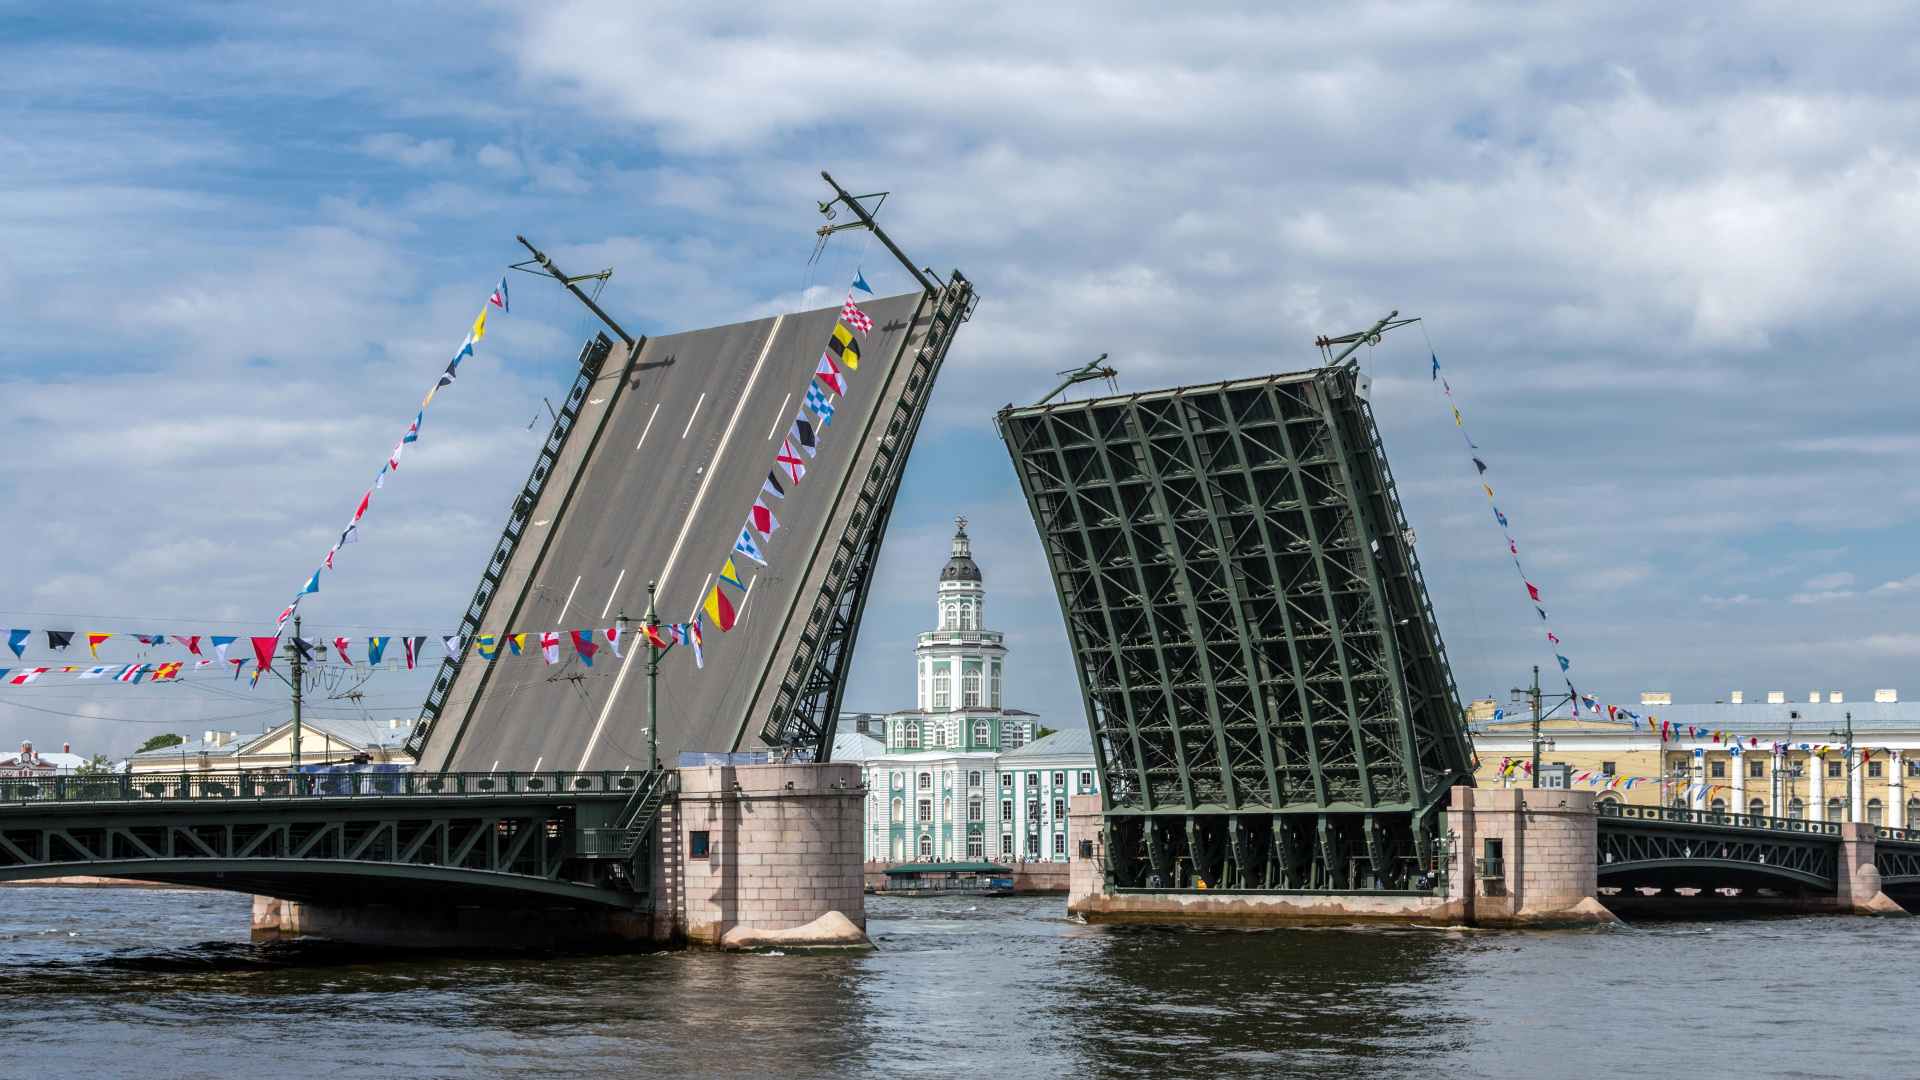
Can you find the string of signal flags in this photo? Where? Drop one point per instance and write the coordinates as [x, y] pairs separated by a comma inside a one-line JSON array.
[[839, 357], [585, 644]]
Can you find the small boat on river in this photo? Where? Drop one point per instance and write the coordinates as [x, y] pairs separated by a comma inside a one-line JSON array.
[[948, 879]]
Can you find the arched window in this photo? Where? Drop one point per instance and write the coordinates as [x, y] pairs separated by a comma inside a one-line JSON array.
[[970, 688], [938, 736], [1835, 810], [1610, 799], [966, 616], [973, 779], [1875, 812], [982, 734], [1718, 806], [926, 781], [896, 849], [1913, 812], [1679, 804], [973, 846], [926, 846], [995, 703], [1757, 807], [942, 688], [899, 810], [1796, 808], [946, 808], [910, 734]]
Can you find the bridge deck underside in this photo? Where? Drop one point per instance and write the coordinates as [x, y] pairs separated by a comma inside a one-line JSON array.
[[1251, 631], [1664, 855], [512, 851], [659, 473]]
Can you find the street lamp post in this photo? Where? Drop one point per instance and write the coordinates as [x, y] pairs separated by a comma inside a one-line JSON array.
[[1534, 699], [1846, 781]]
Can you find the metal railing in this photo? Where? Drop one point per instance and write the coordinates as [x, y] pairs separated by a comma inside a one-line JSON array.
[[204, 786], [1910, 836], [1490, 868], [1678, 816]]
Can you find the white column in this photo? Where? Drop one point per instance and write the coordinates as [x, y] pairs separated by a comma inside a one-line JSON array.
[[1699, 779], [1738, 767], [1857, 769], [1816, 787], [1896, 795], [1779, 781]]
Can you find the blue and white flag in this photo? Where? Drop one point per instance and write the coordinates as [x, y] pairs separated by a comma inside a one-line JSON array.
[[747, 547], [860, 282], [818, 402]]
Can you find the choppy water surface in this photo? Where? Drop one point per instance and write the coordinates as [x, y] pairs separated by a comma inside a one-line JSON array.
[[118, 983]]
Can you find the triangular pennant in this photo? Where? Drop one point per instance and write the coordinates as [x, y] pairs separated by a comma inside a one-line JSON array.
[[731, 576]]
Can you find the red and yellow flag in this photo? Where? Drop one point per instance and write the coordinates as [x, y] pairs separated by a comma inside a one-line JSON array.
[[93, 643], [720, 609]]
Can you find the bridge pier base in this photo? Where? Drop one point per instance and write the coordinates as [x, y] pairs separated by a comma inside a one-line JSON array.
[[1526, 857], [1859, 877], [564, 929]]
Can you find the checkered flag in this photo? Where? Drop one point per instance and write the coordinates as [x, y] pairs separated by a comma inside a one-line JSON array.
[[854, 317]]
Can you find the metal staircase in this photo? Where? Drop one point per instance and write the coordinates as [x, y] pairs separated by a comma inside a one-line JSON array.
[[635, 821]]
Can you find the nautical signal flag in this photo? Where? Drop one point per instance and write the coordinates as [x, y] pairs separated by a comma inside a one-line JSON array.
[[27, 675], [453, 643], [17, 641], [584, 644], [731, 576], [499, 298], [340, 648], [722, 611], [263, 648], [516, 644], [376, 648], [747, 547], [487, 644], [550, 647], [763, 520], [192, 644], [772, 486], [167, 671], [693, 634], [1531, 591], [802, 434], [655, 638], [94, 641], [860, 282], [613, 639], [829, 375], [851, 314], [844, 347], [58, 640], [413, 645], [817, 401], [789, 461]]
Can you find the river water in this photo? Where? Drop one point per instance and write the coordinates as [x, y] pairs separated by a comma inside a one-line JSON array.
[[162, 984]]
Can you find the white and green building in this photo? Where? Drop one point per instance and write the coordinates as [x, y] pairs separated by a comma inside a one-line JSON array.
[[944, 784]]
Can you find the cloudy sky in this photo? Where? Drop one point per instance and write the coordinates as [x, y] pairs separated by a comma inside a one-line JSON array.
[[1667, 257]]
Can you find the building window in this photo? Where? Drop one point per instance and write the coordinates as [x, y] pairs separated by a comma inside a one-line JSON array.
[[982, 734], [912, 734], [1606, 768], [1006, 780], [946, 808], [966, 617], [1059, 843], [1033, 843], [1796, 808], [1757, 807], [942, 688], [1086, 782], [926, 846], [1679, 803], [926, 809], [1059, 779], [1006, 846], [996, 688], [1059, 809], [1014, 736], [1718, 806], [1913, 766], [1873, 768], [1833, 768], [970, 688], [1835, 810], [1874, 812], [899, 809], [973, 778], [697, 845], [1006, 809], [973, 846], [1913, 811], [1718, 770], [926, 781], [896, 849], [1756, 766], [1033, 811], [1033, 779], [974, 812], [937, 738]]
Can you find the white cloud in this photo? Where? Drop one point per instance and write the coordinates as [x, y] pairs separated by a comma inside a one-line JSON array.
[[407, 150]]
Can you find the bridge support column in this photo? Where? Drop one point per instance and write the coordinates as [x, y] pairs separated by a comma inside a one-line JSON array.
[[763, 855], [1541, 867], [1858, 877]]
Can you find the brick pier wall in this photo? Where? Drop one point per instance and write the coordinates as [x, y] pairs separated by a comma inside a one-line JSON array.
[[1548, 839], [784, 848]]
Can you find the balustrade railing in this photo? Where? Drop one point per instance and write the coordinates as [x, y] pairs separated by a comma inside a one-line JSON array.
[[1911, 836], [204, 786], [1717, 817]]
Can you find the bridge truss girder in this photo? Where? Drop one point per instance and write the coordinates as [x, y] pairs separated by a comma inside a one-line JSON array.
[[1634, 853], [1253, 637], [511, 851]]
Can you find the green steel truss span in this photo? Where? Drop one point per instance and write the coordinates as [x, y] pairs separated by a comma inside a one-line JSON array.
[[1269, 697]]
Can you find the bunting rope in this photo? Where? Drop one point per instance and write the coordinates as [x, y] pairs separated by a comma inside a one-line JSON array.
[[1513, 550]]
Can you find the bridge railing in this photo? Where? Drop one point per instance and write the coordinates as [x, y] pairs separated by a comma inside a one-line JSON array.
[[1911, 836], [207, 786], [1676, 815]]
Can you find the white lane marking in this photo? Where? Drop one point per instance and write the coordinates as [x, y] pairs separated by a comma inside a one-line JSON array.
[[746, 599], [779, 414], [649, 427], [614, 593], [685, 526], [537, 761], [569, 603], [691, 415]]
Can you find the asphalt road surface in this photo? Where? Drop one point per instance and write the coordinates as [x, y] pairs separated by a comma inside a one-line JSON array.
[[654, 485]]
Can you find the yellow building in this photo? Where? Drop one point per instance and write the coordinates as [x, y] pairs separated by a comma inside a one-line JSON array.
[[1782, 758], [330, 741]]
